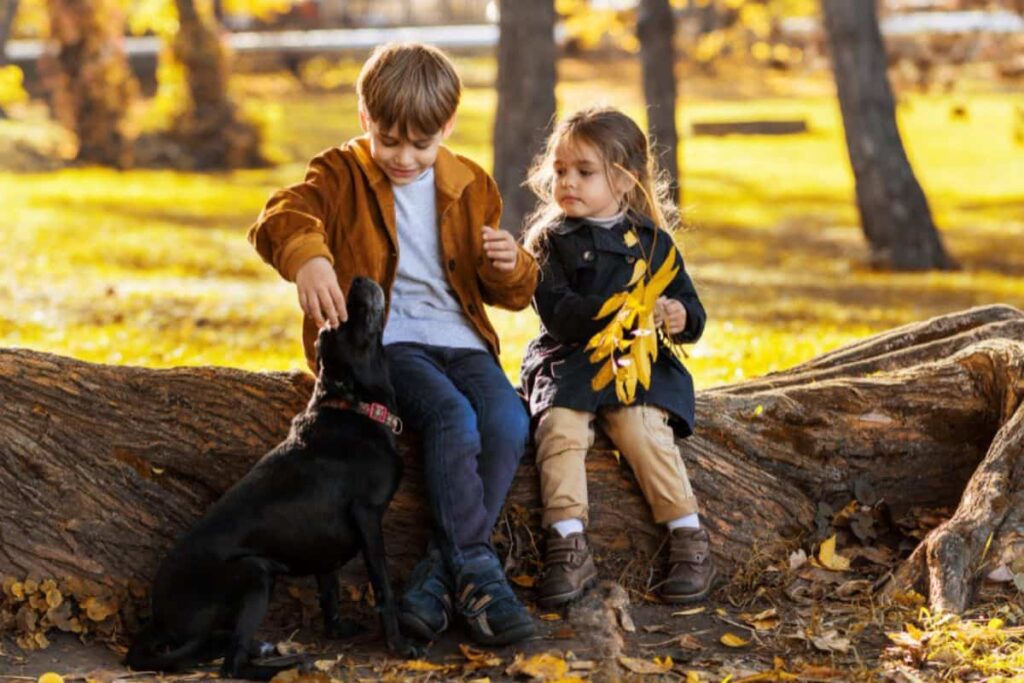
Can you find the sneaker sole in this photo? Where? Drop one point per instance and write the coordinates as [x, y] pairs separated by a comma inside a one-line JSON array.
[[415, 626], [686, 598], [565, 598]]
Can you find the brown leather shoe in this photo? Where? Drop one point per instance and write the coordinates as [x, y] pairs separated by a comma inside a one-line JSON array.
[[568, 569], [690, 569]]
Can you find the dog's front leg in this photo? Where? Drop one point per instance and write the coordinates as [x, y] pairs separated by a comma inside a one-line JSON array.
[[334, 625], [368, 520]]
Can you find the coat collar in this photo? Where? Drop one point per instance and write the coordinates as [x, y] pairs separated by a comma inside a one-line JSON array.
[[569, 224], [451, 176]]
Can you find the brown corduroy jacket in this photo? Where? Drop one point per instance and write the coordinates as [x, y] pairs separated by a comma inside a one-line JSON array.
[[344, 210]]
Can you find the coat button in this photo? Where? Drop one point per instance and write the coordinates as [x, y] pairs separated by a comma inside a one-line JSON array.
[[630, 259], [451, 264], [588, 256]]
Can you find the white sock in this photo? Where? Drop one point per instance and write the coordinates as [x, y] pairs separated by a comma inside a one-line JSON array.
[[691, 521], [564, 527]]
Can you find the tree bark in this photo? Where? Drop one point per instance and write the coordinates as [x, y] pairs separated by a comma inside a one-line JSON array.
[[526, 100], [92, 84], [655, 28], [211, 129], [102, 467], [894, 212]]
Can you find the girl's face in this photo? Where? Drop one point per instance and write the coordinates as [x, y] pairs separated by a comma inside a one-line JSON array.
[[582, 187]]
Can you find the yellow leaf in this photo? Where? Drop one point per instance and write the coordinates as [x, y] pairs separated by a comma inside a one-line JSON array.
[[692, 677], [603, 376], [524, 580], [422, 665], [51, 677], [551, 616], [630, 238], [612, 304], [639, 269], [733, 640], [645, 666], [543, 666], [829, 558]]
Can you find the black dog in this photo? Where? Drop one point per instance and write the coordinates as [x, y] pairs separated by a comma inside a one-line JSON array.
[[307, 507]]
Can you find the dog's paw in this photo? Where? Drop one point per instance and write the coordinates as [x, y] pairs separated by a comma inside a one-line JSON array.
[[344, 628], [409, 649]]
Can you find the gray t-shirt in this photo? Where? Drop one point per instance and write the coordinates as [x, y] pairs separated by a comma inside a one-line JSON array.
[[424, 308]]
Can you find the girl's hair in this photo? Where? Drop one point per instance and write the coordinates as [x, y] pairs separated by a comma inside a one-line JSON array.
[[624, 149]]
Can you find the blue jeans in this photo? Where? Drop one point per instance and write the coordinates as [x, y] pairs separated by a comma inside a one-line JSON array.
[[474, 429]]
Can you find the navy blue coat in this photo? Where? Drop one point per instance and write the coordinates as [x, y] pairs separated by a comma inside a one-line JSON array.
[[582, 264]]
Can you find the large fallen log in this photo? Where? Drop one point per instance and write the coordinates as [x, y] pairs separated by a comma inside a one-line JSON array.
[[101, 467]]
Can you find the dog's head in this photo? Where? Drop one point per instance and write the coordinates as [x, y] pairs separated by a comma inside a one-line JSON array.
[[350, 357]]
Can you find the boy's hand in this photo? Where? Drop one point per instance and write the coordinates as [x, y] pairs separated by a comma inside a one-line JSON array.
[[500, 247], [320, 295], [672, 313]]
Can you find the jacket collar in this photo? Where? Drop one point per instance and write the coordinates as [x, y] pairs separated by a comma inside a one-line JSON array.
[[451, 176], [569, 224]]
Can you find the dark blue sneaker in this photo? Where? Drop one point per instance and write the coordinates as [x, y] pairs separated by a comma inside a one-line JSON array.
[[491, 610], [425, 610]]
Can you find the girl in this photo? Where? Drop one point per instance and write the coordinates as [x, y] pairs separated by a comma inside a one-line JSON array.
[[600, 211]]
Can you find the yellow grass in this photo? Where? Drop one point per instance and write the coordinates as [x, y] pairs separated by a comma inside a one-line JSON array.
[[152, 268]]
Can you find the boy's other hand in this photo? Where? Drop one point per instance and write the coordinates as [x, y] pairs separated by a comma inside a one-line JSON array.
[[672, 313], [500, 247], [320, 295]]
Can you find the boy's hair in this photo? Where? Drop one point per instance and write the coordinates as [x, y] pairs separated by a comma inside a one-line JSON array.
[[623, 148], [409, 85]]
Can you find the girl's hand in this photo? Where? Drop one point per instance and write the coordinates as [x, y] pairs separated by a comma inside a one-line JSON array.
[[500, 247], [320, 295], [670, 312]]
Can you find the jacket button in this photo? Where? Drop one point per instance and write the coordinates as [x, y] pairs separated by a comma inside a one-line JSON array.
[[472, 309], [588, 256], [451, 264], [630, 259]]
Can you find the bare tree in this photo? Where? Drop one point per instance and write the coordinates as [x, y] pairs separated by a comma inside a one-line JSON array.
[[655, 28], [894, 211], [526, 99], [91, 82]]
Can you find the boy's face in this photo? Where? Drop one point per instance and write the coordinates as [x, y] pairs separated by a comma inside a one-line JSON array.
[[403, 159], [582, 187]]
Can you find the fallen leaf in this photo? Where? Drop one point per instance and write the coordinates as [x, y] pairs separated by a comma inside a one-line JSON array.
[[733, 640], [1000, 574], [692, 677], [688, 612], [1018, 581], [551, 616], [544, 666], [763, 621], [829, 558], [657, 665], [51, 677], [850, 588], [478, 659], [797, 559], [524, 580], [831, 641], [287, 648], [422, 665]]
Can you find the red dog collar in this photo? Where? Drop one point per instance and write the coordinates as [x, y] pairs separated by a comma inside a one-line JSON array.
[[378, 412]]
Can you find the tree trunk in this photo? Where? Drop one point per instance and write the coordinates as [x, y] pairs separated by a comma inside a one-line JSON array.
[[211, 129], [655, 28], [526, 100], [103, 466], [893, 209], [8, 8], [93, 87]]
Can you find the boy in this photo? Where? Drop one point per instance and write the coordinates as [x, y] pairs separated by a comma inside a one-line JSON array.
[[398, 191]]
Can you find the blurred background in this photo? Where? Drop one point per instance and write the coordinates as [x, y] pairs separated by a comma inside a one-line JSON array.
[[843, 166]]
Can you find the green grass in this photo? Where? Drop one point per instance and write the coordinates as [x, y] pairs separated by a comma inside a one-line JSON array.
[[152, 268]]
